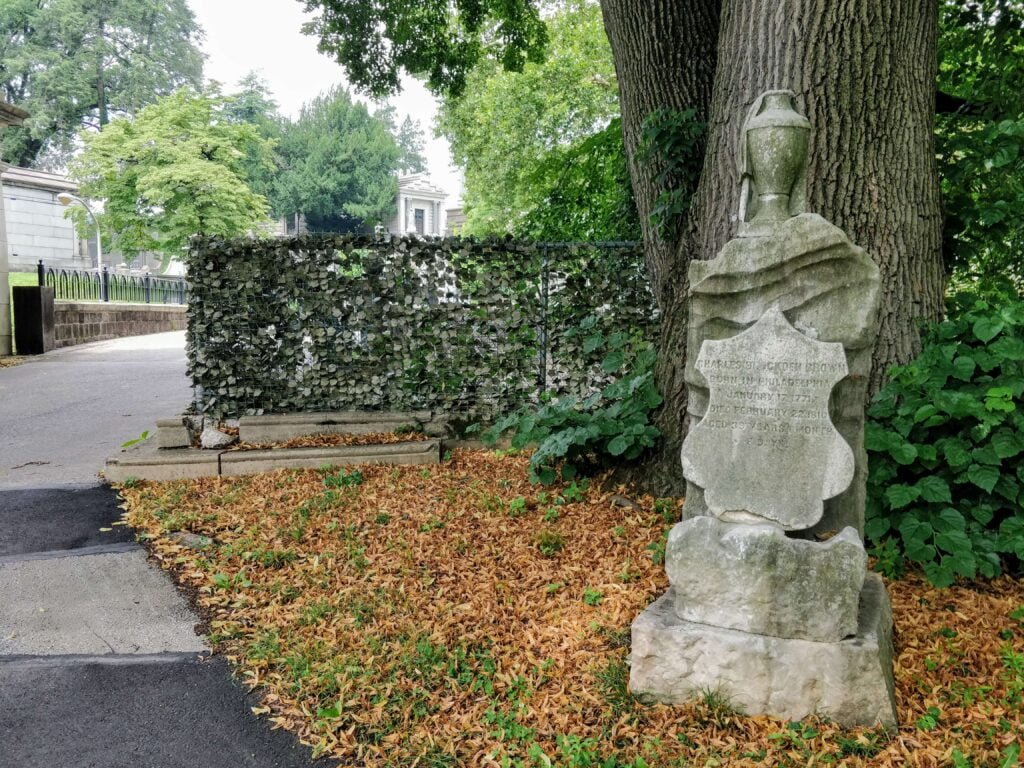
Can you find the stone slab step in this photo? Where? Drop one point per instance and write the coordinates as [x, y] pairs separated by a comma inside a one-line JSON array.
[[146, 462]]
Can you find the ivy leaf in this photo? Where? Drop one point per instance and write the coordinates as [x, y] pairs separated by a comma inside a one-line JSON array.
[[953, 541], [1006, 444], [904, 453], [963, 368], [985, 477], [987, 328], [900, 496], [617, 445], [934, 489]]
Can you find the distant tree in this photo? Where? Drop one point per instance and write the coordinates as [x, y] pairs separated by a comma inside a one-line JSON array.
[[339, 164], [75, 64], [411, 143], [253, 105], [511, 130], [174, 170]]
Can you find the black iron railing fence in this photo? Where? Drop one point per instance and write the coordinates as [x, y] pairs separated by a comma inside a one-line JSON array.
[[104, 285]]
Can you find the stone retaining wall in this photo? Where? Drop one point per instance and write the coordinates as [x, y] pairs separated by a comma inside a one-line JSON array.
[[79, 322]]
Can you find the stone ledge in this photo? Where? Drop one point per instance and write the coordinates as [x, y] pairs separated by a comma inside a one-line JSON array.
[[270, 428], [850, 682], [234, 463], [146, 461]]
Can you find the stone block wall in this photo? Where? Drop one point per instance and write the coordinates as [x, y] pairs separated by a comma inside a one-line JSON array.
[[80, 322]]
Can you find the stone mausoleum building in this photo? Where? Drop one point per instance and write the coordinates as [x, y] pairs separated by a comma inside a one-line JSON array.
[[36, 226], [421, 207]]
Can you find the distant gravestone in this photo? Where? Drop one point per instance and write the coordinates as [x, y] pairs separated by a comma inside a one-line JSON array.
[[770, 602]]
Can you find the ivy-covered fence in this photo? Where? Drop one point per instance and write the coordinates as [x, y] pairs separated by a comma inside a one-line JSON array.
[[330, 322]]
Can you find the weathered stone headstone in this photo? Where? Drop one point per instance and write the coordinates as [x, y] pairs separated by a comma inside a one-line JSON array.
[[766, 447], [783, 322]]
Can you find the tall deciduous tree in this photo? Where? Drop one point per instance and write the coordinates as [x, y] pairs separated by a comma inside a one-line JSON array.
[[339, 164], [76, 63], [509, 130], [864, 73], [174, 170]]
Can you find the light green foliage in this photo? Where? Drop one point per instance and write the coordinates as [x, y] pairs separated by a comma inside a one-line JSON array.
[[252, 105], [980, 132], [438, 39], [945, 439], [339, 165], [510, 130], [570, 434], [76, 63], [174, 170]]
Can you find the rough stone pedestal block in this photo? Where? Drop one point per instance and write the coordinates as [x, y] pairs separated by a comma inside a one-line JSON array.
[[754, 578], [850, 681]]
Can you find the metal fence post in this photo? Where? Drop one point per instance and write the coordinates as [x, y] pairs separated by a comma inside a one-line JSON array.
[[146, 288], [41, 273], [542, 353], [104, 284]]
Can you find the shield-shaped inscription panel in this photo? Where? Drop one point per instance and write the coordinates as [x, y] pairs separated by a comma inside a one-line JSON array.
[[766, 446]]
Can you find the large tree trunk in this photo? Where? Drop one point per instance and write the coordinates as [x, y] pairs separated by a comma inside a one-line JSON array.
[[664, 53], [864, 74]]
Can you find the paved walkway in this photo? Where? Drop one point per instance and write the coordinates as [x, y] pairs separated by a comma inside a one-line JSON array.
[[99, 663]]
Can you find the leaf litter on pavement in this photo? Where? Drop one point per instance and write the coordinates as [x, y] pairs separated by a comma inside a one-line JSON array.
[[457, 615]]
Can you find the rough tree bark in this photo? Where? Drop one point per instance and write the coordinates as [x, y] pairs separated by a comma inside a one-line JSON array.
[[664, 53], [864, 74]]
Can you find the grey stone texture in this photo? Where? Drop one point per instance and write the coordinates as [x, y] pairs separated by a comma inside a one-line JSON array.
[[673, 661], [827, 287], [146, 462], [285, 426], [756, 579], [250, 462], [172, 433], [82, 322], [766, 448], [212, 438], [92, 604]]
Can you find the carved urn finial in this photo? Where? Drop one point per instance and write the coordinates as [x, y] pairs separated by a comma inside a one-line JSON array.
[[773, 163]]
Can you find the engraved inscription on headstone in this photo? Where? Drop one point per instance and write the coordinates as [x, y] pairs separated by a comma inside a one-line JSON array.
[[766, 448]]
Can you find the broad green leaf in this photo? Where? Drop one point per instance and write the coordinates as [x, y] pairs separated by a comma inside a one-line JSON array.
[[985, 477], [900, 496], [986, 328], [933, 488]]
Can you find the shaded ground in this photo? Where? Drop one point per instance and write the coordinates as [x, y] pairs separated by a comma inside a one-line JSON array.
[[99, 664], [36, 520], [455, 615]]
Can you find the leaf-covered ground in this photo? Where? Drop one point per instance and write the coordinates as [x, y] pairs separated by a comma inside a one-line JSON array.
[[457, 615]]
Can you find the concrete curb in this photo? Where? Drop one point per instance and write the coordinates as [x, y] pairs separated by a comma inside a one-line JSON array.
[[147, 462]]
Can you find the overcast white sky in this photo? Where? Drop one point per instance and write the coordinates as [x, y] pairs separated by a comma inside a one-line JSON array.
[[266, 36]]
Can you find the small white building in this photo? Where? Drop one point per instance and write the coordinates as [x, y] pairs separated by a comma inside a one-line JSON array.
[[421, 208]]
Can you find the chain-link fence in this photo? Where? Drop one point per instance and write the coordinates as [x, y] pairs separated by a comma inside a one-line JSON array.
[[334, 322]]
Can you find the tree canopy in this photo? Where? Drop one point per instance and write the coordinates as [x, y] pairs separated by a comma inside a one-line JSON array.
[[536, 145], [442, 39], [174, 170], [74, 64], [338, 165]]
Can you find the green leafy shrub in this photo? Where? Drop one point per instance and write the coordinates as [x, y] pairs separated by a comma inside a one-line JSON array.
[[569, 434], [945, 440]]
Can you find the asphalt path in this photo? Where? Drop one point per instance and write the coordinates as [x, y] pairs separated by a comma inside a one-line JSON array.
[[100, 666]]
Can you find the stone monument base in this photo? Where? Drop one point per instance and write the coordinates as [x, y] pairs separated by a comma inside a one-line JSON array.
[[849, 681]]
